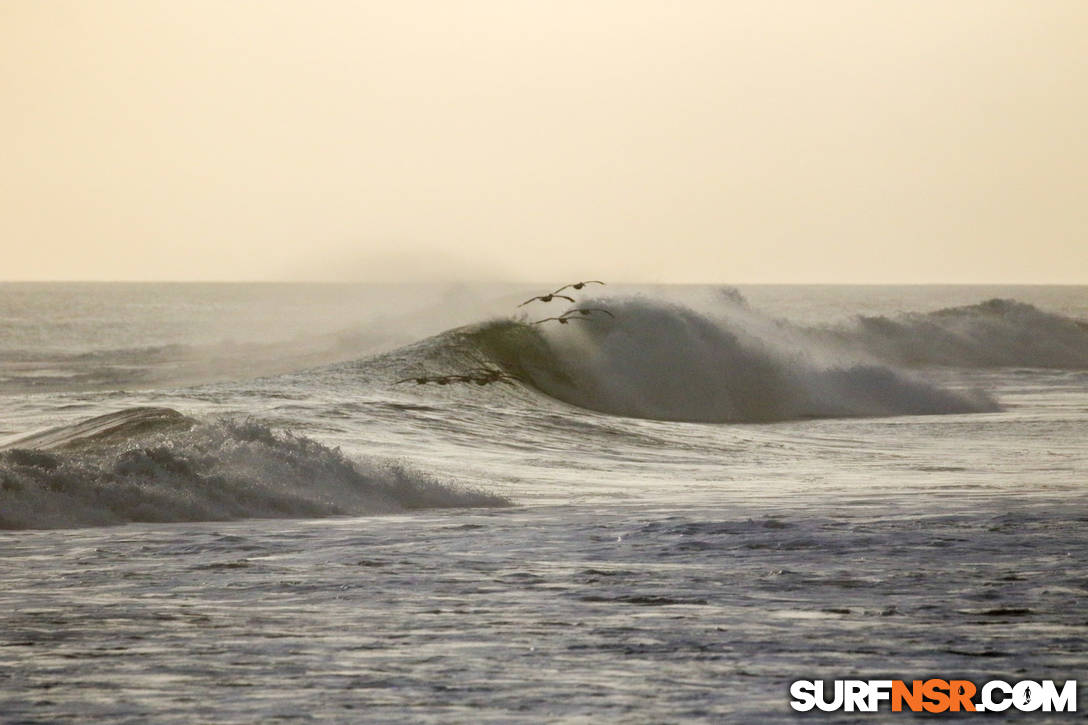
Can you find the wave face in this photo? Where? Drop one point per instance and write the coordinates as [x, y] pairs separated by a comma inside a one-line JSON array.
[[156, 465], [668, 361], [994, 333]]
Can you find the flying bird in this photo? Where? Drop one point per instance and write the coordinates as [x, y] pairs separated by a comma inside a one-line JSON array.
[[421, 380], [546, 298], [586, 310], [578, 285], [447, 379], [424, 379], [562, 319], [480, 376]]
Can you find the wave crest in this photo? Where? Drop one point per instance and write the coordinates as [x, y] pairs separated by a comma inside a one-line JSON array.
[[994, 333], [667, 361], [181, 469]]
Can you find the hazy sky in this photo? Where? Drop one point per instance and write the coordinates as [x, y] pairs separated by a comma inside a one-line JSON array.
[[756, 141]]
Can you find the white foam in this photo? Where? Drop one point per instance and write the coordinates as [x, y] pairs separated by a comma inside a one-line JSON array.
[[209, 471]]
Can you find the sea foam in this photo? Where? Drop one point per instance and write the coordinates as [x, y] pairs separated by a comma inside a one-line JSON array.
[[147, 464]]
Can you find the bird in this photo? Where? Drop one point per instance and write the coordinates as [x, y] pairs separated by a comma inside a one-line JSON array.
[[586, 310], [490, 377], [578, 285], [421, 380], [480, 376], [447, 379], [424, 379], [546, 298], [562, 319]]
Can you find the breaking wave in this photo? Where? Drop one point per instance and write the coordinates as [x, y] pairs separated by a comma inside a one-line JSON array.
[[156, 465], [994, 333], [667, 361]]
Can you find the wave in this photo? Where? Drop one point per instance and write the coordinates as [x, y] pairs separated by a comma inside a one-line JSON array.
[[157, 465], [667, 361], [994, 333]]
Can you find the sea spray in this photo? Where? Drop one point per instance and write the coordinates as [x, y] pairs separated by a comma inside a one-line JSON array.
[[668, 361], [994, 333]]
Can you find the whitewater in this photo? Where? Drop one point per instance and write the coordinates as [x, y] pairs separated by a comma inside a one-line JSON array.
[[222, 502]]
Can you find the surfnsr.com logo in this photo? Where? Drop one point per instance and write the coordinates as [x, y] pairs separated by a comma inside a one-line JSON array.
[[933, 695]]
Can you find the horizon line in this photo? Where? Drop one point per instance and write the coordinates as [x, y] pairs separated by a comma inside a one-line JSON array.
[[542, 282]]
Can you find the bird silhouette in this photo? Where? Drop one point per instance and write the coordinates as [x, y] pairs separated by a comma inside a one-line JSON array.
[[421, 380], [545, 298], [578, 285], [479, 376], [424, 379], [586, 310], [562, 319], [447, 379]]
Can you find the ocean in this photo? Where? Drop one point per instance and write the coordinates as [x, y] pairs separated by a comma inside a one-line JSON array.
[[234, 503]]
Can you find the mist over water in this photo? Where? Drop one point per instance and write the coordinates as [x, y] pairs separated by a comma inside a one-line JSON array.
[[69, 336], [729, 363], [62, 336]]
